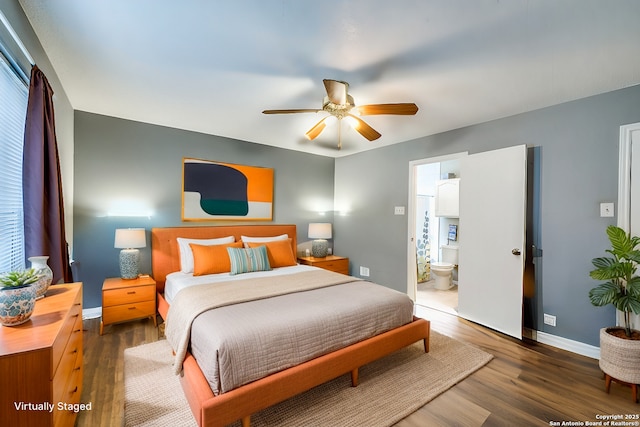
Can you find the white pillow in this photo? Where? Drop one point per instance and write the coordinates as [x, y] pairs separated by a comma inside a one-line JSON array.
[[247, 239], [186, 255]]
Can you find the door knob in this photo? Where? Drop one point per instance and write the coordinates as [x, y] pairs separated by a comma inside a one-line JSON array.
[[515, 251]]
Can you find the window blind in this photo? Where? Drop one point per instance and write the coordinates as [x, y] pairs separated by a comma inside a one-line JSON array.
[[13, 107]]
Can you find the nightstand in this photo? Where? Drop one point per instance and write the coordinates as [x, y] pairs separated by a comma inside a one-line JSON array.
[[335, 263], [128, 299]]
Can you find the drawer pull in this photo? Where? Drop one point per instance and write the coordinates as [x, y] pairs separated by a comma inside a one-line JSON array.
[[131, 292], [77, 368], [77, 330], [75, 350], [74, 390], [132, 308]]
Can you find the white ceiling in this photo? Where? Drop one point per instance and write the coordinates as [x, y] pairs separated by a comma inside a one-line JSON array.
[[213, 66]]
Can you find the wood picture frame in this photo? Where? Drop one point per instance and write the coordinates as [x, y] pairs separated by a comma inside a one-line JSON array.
[[224, 191]]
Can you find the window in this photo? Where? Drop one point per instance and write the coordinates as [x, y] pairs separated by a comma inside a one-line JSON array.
[[14, 94]]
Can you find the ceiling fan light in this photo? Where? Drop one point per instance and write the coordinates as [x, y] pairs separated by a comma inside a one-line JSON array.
[[315, 130], [352, 122]]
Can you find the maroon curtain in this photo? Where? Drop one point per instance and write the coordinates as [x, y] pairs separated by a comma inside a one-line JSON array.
[[44, 231]]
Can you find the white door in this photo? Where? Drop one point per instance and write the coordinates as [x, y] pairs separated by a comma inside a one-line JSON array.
[[492, 238]]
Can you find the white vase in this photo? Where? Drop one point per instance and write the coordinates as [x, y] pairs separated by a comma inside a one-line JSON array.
[[39, 264]]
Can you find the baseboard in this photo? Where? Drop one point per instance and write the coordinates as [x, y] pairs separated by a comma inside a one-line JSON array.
[[569, 345], [92, 313]]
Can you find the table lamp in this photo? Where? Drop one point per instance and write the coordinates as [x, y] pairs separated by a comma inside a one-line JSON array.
[[319, 231], [129, 240]]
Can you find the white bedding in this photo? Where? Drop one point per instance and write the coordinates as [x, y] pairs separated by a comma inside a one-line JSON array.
[[177, 281], [245, 329]]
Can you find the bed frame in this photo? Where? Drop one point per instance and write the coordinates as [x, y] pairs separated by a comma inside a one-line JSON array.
[[238, 404]]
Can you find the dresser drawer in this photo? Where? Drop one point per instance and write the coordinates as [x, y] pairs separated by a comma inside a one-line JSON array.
[[132, 294], [65, 416], [70, 361], [120, 313], [71, 323]]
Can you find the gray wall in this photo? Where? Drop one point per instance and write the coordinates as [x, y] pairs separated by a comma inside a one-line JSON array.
[[118, 159], [577, 154], [577, 143]]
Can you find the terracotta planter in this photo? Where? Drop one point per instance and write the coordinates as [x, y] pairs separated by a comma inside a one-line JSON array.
[[16, 304], [620, 358]]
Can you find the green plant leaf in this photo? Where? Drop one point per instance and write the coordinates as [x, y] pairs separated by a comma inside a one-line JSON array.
[[621, 242], [628, 303], [633, 287], [606, 268], [604, 294], [603, 262], [634, 256]]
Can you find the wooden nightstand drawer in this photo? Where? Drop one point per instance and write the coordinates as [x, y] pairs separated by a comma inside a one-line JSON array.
[[120, 296], [124, 312], [339, 265], [331, 262]]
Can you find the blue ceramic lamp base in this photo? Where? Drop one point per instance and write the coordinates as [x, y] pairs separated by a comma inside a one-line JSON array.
[[319, 248], [129, 261]]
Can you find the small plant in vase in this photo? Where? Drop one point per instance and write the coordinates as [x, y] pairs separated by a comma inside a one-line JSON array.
[[622, 286], [17, 296], [619, 347]]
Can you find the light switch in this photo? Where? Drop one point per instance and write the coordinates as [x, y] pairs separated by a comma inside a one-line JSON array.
[[606, 210]]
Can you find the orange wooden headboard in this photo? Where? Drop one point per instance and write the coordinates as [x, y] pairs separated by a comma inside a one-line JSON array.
[[165, 256]]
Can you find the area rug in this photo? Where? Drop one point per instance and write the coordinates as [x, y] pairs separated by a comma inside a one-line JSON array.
[[390, 389]]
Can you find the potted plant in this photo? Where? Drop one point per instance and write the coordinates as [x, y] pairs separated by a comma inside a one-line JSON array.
[[17, 296], [619, 346]]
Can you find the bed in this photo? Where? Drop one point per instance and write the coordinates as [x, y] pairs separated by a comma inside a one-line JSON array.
[[219, 401]]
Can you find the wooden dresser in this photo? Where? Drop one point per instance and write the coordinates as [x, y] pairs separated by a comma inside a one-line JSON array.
[[41, 362], [335, 263]]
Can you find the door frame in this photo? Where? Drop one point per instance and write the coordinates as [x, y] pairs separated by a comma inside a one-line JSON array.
[[412, 274], [624, 192], [624, 175]]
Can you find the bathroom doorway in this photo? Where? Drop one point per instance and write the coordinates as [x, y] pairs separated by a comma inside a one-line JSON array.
[[434, 229], [492, 215]]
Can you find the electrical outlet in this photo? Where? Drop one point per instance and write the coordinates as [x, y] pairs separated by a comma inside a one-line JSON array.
[[364, 271], [549, 320], [606, 210], [398, 210]]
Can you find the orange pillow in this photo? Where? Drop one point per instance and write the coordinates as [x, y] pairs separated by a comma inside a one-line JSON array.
[[211, 259], [279, 252]]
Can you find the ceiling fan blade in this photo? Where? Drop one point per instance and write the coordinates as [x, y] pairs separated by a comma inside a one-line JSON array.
[[336, 91], [364, 129], [299, 110], [316, 129], [402, 109]]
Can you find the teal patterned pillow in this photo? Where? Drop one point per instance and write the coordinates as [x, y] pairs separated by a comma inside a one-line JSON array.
[[246, 260]]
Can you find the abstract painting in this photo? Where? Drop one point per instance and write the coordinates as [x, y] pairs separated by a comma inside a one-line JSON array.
[[223, 191]]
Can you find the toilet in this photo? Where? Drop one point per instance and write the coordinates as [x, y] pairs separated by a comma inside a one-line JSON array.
[[443, 270]]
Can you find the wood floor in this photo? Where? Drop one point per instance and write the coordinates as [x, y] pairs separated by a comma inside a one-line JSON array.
[[527, 384]]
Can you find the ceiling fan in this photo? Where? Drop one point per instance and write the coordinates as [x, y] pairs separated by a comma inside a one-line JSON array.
[[339, 104]]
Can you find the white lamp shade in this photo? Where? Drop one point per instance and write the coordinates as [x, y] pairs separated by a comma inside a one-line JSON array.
[[129, 238], [320, 230]]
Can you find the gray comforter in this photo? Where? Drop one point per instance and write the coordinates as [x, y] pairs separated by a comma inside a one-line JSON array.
[[236, 343]]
